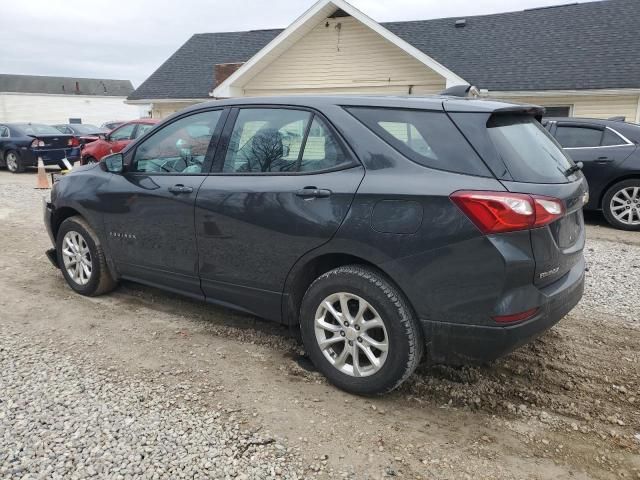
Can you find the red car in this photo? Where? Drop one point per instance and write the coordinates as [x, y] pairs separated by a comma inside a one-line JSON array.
[[116, 140]]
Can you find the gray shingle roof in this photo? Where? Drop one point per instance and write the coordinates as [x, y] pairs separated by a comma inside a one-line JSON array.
[[189, 73], [64, 85], [589, 45]]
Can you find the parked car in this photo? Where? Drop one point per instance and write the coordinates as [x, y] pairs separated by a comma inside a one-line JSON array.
[[116, 140], [21, 144], [383, 227], [608, 150], [85, 132], [113, 124]]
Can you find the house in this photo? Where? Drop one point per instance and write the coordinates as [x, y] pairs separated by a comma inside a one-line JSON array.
[[579, 59], [53, 100]]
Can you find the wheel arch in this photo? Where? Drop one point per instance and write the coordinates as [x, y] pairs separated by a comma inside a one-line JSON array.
[[307, 270]]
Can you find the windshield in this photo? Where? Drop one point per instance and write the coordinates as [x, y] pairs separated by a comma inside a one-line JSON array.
[[37, 129], [528, 150]]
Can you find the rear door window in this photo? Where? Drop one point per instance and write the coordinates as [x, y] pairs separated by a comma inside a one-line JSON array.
[[527, 149], [578, 137], [427, 138]]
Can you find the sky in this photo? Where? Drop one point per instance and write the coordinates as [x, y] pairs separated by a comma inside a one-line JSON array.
[[129, 39]]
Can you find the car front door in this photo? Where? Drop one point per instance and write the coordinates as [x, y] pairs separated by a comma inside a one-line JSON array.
[[599, 148], [281, 188], [149, 209]]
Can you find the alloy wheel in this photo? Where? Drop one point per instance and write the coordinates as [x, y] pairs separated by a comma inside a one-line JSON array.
[[351, 334], [76, 257], [12, 161], [625, 205]]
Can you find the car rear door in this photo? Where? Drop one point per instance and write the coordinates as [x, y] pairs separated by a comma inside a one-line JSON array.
[[280, 188], [149, 209]]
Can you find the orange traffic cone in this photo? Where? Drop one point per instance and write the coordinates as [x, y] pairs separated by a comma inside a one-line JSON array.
[[43, 181]]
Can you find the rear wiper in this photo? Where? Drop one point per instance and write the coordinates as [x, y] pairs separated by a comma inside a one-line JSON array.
[[573, 169]]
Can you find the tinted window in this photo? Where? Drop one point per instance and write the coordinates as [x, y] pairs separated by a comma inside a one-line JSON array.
[[428, 138], [575, 137], [527, 149], [180, 147], [611, 138], [123, 133], [4, 132], [266, 140], [86, 129], [322, 150]]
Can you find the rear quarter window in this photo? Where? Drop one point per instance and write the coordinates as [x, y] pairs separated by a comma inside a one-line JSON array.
[[528, 151], [428, 138]]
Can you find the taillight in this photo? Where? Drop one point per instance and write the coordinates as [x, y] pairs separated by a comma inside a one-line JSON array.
[[499, 212], [37, 143], [73, 142]]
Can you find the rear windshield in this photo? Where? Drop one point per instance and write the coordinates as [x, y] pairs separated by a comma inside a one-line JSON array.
[[427, 138], [529, 152], [37, 129]]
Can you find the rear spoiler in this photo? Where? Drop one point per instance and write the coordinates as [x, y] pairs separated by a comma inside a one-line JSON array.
[[534, 110]]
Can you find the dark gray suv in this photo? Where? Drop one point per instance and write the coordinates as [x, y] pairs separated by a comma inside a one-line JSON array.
[[386, 228]]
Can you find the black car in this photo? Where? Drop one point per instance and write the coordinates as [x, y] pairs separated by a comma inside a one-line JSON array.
[[383, 227], [81, 130], [21, 144], [608, 150]]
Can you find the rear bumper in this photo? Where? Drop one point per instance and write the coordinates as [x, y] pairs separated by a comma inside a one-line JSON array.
[[50, 156], [459, 344]]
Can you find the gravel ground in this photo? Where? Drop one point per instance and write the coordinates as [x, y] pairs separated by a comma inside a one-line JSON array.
[[140, 381], [62, 418], [613, 280]]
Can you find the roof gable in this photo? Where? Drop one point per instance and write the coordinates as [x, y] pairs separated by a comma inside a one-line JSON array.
[[64, 85], [302, 26]]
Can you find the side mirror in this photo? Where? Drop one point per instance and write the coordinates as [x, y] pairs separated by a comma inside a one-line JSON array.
[[105, 137], [113, 163]]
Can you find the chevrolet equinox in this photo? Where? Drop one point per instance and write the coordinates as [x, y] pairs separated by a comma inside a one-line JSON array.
[[386, 228]]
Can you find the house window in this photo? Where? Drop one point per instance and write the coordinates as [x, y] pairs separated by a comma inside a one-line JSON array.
[[557, 111]]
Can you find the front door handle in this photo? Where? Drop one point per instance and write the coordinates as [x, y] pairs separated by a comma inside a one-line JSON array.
[[179, 188], [313, 192]]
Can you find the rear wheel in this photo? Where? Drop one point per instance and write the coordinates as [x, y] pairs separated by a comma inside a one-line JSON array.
[[13, 161], [621, 205], [81, 258], [359, 330]]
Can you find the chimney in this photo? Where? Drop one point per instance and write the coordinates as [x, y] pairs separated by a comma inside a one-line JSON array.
[[222, 71]]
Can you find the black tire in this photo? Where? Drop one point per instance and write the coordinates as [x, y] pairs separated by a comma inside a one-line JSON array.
[[607, 205], [16, 166], [403, 332], [100, 281]]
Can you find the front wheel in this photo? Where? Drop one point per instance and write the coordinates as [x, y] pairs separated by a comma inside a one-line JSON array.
[[81, 258], [359, 330], [621, 205]]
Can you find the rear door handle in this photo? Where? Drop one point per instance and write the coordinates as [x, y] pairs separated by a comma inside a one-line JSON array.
[[179, 188], [604, 160], [313, 192]]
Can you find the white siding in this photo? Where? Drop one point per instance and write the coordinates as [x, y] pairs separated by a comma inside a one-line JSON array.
[[595, 106], [349, 59], [52, 109], [162, 110]]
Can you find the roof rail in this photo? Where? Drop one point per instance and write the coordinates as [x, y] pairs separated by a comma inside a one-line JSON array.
[[462, 91]]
